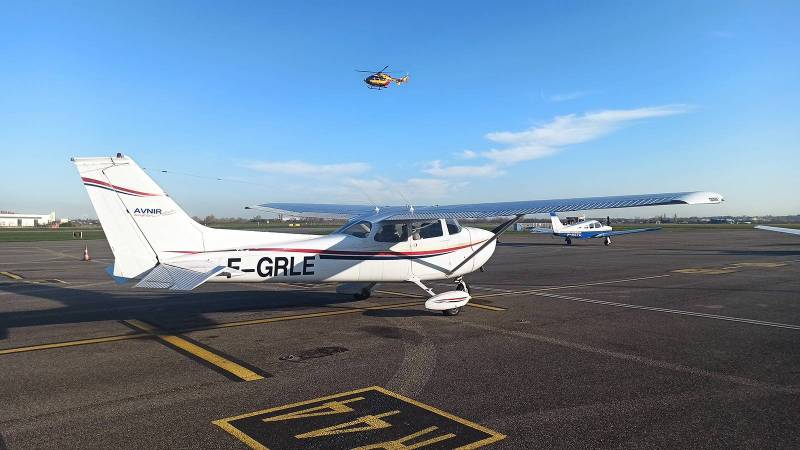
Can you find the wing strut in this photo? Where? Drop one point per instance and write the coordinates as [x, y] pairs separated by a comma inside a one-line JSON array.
[[497, 232]]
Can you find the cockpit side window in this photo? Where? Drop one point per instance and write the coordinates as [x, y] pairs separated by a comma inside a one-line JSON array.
[[425, 230], [453, 227], [358, 229], [392, 232]]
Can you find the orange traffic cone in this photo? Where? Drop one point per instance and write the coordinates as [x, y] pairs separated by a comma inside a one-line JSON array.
[[86, 254]]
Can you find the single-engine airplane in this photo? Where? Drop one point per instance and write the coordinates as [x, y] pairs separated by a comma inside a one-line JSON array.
[[589, 229], [794, 231], [381, 80], [155, 242]]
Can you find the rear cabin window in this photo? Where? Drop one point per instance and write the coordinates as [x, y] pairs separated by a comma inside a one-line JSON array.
[[358, 229], [426, 230], [453, 226], [392, 232]]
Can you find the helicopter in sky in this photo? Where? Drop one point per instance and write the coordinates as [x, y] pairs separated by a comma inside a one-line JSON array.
[[379, 79]]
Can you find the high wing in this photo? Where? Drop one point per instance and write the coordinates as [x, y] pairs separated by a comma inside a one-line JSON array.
[[621, 232], [482, 210], [779, 229]]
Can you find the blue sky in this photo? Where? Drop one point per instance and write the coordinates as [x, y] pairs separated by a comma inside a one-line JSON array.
[[506, 101]]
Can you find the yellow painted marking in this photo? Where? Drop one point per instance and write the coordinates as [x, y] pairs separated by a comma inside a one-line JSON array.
[[241, 323], [735, 267], [13, 276], [700, 271], [490, 308], [235, 432], [400, 444], [195, 350], [368, 423], [494, 436], [300, 316], [401, 294], [326, 409], [571, 286], [99, 340]]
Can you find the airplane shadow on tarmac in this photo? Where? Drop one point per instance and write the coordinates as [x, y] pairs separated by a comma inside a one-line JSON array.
[[168, 310]]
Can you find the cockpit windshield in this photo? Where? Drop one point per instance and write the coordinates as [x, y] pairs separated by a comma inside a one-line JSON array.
[[358, 229]]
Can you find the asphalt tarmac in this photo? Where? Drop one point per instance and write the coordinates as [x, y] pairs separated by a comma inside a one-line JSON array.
[[667, 339]]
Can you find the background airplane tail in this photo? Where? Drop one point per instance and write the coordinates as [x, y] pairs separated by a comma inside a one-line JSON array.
[[557, 225], [139, 219]]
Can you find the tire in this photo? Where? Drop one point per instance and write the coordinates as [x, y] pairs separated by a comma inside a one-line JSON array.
[[363, 295], [568, 241], [451, 311], [607, 242], [462, 286]]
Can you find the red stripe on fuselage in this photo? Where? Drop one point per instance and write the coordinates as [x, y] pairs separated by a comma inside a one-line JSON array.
[[341, 252], [119, 188]]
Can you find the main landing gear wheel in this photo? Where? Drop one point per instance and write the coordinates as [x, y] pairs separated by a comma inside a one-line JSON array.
[[461, 285], [363, 295], [568, 241], [451, 311], [607, 241]]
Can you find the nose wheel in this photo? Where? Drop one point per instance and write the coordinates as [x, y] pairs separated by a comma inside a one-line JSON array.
[[461, 285]]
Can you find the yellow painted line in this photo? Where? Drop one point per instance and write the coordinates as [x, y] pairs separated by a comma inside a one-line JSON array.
[[225, 423], [197, 351], [299, 316], [474, 305], [124, 337], [401, 294], [13, 276], [241, 323], [487, 307], [99, 340], [571, 286]]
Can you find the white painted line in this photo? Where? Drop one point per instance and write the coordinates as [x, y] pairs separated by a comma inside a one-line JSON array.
[[671, 311], [639, 359], [501, 292]]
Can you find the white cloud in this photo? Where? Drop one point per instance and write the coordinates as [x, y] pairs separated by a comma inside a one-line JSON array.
[[467, 154], [569, 96], [436, 169], [295, 167], [546, 139]]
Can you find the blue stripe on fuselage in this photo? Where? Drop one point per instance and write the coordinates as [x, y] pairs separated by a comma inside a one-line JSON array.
[[579, 235]]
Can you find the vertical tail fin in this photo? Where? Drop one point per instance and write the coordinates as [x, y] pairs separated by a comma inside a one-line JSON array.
[[557, 225], [139, 219]]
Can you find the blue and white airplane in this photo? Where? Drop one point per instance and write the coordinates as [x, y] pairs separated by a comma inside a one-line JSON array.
[[588, 229]]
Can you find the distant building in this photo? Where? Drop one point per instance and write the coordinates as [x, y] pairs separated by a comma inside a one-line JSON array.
[[12, 219]]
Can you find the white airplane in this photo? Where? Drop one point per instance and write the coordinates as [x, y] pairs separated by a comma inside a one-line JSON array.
[[589, 229], [794, 231], [155, 242]]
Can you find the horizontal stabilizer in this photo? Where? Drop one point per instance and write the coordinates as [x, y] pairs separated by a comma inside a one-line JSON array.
[[166, 276], [621, 232]]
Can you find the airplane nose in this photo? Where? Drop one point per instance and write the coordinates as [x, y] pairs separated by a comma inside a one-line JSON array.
[[478, 236]]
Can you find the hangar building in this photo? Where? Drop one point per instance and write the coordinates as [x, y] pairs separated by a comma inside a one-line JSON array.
[[12, 219]]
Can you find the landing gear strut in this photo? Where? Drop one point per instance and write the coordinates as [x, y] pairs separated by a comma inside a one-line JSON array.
[[461, 285], [607, 241]]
